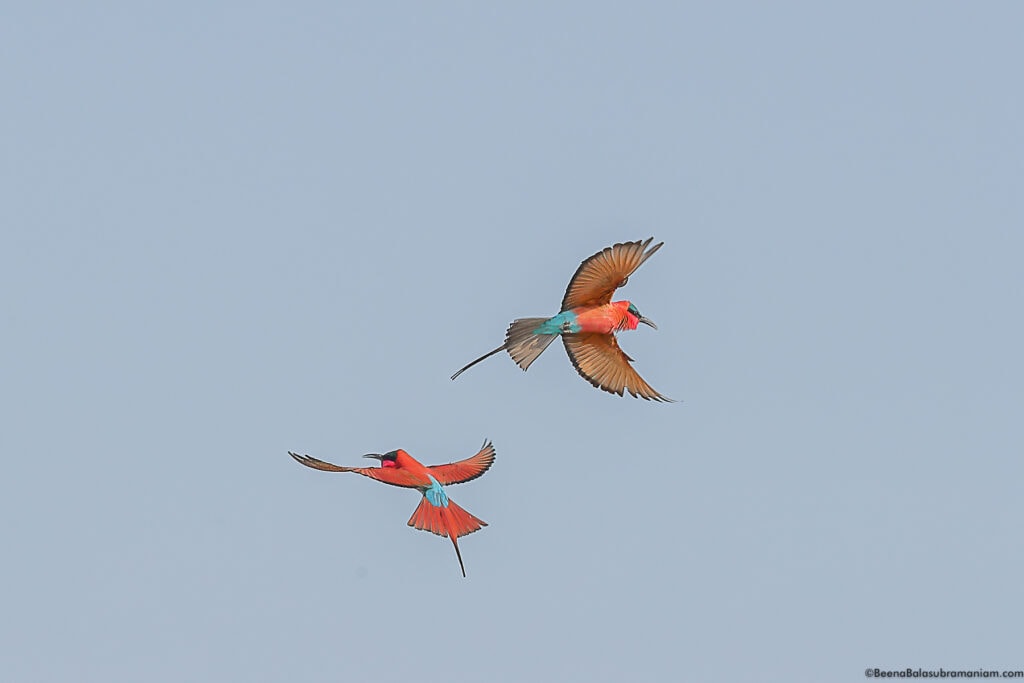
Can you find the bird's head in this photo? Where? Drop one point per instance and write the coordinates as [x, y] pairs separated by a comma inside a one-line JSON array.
[[635, 317], [389, 459]]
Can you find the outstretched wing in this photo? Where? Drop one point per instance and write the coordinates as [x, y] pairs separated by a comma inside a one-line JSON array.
[[387, 475], [465, 470], [599, 276], [600, 361]]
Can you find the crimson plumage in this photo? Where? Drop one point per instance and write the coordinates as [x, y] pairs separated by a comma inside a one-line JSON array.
[[588, 322], [436, 513]]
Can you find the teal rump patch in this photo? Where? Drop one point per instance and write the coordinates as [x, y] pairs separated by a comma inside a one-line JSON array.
[[436, 495], [560, 324]]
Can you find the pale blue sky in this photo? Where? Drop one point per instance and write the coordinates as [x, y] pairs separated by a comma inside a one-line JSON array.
[[233, 231]]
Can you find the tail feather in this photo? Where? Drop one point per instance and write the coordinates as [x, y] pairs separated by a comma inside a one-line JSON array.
[[483, 357], [451, 521], [445, 521], [521, 343]]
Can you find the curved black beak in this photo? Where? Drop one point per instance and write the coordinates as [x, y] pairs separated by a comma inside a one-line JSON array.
[[648, 321], [375, 456]]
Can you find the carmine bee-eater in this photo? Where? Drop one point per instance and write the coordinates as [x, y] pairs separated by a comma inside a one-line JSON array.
[[436, 513], [588, 322]]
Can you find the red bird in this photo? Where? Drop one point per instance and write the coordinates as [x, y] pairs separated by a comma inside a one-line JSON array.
[[588, 322], [436, 512]]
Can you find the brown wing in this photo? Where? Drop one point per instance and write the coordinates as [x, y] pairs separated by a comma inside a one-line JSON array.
[[599, 276], [600, 361], [465, 470], [387, 475]]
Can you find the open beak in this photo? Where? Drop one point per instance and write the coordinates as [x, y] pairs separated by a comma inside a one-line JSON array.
[[648, 321], [375, 456]]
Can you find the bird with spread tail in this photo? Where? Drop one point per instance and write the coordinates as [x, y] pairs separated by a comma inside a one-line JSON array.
[[588, 322], [436, 513]]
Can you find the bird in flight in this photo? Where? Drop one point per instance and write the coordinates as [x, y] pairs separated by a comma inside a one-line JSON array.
[[436, 513], [588, 322]]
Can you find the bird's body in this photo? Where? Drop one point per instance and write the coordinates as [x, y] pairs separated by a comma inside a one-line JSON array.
[[588, 322], [603, 319], [436, 512], [606, 319]]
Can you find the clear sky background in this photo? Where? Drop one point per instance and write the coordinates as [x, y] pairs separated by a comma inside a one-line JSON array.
[[235, 230]]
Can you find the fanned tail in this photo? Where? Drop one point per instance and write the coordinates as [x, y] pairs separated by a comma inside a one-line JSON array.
[[451, 521], [521, 343]]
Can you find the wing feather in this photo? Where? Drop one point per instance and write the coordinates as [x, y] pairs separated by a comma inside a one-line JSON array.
[[599, 276], [387, 475], [465, 470], [600, 361]]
